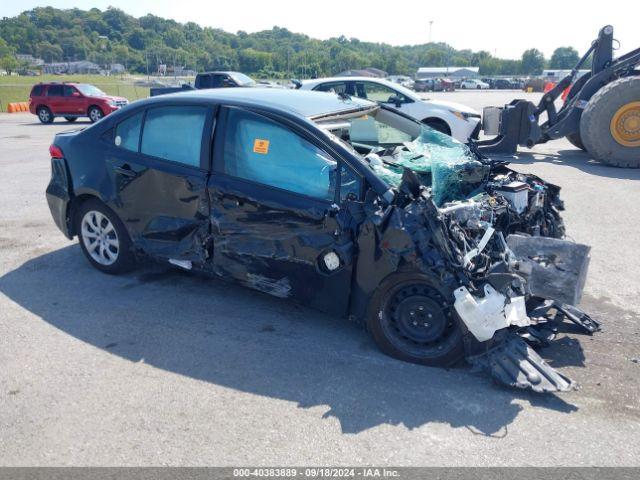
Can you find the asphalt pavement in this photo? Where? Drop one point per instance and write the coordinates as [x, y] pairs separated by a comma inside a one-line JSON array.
[[161, 367]]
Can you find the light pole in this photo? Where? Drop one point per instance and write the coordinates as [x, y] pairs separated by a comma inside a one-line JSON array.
[[430, 28]]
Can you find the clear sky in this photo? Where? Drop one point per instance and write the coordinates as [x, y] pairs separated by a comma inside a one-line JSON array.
[[505, 28]]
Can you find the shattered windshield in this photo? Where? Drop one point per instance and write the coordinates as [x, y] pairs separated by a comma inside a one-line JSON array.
[[390, 142]]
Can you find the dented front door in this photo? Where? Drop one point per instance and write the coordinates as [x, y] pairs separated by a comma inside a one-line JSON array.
[[273, 216]]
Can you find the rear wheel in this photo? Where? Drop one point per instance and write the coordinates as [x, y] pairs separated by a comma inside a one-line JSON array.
[[103, 238], [70, 119], [95, 114], [45, 115], [575, 140], [412, 319], [610, 124]]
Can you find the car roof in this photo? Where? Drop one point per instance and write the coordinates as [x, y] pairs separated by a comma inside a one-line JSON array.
[[383, 81], [303, 102], [346, 79]]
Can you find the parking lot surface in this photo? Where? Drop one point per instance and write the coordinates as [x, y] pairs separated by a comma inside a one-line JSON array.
[[160, 367]]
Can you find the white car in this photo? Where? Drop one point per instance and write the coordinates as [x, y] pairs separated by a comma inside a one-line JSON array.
[[459, 121], [474, 84]]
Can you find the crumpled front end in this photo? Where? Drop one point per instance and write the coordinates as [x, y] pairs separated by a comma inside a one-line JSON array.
[[523, 277]]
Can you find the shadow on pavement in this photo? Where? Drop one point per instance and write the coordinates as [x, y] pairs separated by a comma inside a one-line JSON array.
[[233, 337], [574, 158]]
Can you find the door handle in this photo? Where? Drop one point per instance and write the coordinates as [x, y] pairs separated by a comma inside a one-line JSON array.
[[125, 170]]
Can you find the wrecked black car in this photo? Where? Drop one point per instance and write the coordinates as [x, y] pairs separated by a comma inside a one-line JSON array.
[[340, 204]]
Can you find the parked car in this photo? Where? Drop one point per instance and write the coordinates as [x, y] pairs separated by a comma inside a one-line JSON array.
[[504, 84], [489, 81], [328, 201], [473, 84], [447, 85], [424, 85], [403, 80], [215, 80], [72, 101], [459, 121]]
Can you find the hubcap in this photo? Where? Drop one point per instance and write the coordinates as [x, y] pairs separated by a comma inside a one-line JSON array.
[[95, 115], [625, 125], [44, 115], [100, 238]]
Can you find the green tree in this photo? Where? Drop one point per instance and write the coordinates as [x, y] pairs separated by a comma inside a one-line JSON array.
[[532, 62], [564, 58], [8, 63]]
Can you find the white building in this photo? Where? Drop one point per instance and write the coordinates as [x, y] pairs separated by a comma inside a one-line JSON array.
[[555, 75], [455, 72]]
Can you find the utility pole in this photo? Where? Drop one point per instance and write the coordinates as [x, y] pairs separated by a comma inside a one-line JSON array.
[[430, 29]]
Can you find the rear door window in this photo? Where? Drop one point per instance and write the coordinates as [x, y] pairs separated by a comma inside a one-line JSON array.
[[54, 91], [68, 90], [37, 91], [334, 87], [174, 133]]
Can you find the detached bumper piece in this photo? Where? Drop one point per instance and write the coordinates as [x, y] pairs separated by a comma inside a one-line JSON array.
[[513, 360], [516, 364]]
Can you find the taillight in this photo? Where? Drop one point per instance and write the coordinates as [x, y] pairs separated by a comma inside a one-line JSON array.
[[55, 152]]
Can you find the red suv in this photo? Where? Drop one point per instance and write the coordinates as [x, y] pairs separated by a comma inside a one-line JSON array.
[[72, 100]]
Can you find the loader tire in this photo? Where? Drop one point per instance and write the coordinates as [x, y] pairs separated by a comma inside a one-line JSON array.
[[610, 124], [576, 141]]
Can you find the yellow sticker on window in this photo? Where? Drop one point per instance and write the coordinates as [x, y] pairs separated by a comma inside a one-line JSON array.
[[261, 146]]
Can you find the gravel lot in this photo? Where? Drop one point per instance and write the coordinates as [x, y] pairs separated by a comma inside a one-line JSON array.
[[159, 367]]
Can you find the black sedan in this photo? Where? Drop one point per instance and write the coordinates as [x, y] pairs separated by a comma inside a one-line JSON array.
[[336, 202]]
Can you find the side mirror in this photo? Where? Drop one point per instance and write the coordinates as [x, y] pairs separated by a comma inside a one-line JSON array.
[[227, 83], [76, 94], [396, 100]]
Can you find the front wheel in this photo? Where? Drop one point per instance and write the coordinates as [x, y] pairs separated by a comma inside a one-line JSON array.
[[95, 114], [103, 238], [610, 123], [412, 319], [45, 115]]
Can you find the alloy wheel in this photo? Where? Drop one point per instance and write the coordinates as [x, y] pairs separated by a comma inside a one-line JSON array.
[[100, 238]]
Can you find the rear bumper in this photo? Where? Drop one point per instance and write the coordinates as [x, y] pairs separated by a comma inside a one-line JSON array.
[[59, 196]]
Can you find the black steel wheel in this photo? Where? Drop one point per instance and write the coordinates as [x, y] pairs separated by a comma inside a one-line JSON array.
[[413, 320]]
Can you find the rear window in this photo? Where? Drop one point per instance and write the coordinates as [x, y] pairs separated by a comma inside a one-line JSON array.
[[37, 90], [174, 133], [54, 91]]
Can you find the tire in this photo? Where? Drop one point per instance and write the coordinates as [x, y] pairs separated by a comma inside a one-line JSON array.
[[398, 307], [98, 224], [95, 114], [575, 140], [70, 119], [44, 115], [463, 87], [438, 124], [597, 123]]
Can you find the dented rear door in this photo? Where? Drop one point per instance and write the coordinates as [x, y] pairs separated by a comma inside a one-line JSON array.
[[159, 161], [273, 216]]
